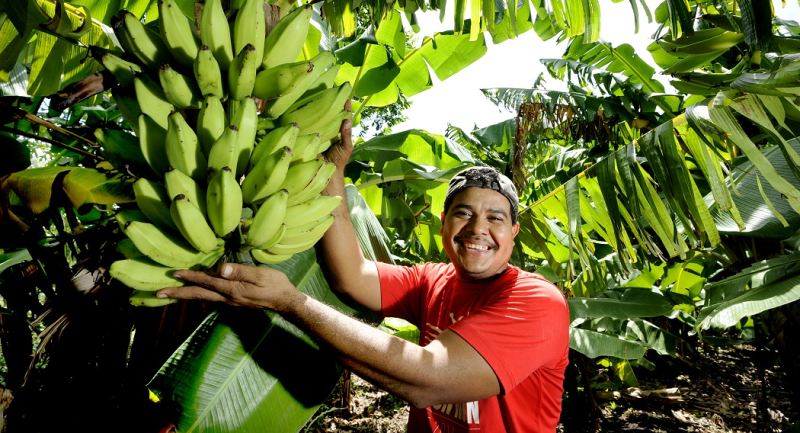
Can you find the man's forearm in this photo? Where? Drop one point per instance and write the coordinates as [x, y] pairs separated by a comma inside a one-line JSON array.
[[399, 366]]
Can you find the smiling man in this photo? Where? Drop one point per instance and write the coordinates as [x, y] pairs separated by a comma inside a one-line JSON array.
[[494, 338]]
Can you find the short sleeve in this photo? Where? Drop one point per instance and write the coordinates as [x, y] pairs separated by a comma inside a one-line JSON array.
[[521, 329], [401, 291]]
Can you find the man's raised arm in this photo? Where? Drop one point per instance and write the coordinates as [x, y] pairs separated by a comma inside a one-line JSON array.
[[348, 271]]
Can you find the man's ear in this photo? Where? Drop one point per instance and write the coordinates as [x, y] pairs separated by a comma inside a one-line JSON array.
[[441, 217], [515, 229]]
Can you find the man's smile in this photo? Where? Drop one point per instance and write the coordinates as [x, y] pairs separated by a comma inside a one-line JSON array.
[[473, 246]]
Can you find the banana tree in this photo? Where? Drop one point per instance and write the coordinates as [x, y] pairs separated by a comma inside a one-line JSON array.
[[654, 223], [54, 52]]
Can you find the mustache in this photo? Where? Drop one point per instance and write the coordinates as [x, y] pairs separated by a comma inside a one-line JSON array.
[[483, 240]]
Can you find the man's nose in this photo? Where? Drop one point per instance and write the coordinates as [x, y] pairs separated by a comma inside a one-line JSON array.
[[477, 225]]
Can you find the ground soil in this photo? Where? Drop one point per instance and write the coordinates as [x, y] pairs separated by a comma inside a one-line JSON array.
[[721, 390]]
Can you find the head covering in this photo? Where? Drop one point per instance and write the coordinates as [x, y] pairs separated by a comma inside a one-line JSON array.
[[487, 178]]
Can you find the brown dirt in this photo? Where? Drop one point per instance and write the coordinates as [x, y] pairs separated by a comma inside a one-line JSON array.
[[722, 390]]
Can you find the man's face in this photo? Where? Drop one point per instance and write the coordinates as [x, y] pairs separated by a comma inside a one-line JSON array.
[[477, 232]]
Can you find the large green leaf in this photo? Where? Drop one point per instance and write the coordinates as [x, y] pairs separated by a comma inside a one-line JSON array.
[[754, 301], [252, 371], [763, 209], [594, 344], [631, 303], [57, 34], [11, 44]]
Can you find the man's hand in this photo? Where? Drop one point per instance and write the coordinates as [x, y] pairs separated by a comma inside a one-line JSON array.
[[236, 284], [340, 152]]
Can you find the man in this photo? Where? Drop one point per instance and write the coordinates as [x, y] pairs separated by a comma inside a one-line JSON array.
[[494, 338]]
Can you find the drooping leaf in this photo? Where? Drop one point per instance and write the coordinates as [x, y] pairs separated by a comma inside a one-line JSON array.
[[34, 186], [86, 186]]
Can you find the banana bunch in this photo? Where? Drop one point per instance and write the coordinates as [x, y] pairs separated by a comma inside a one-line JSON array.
[[233, 122]]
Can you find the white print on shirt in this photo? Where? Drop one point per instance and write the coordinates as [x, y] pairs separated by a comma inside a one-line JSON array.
[[465, 412]]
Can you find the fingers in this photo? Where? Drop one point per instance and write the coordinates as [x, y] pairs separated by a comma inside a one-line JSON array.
[[243, 273], [192, 293], [340, 152], [346, 132], [204, 285]]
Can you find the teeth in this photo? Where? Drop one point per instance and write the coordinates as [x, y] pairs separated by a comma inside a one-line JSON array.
[[476, 246]]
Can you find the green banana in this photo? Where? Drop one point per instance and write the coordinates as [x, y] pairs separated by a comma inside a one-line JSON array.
[[315, 233], [143, 274], [310, 210], [151, 143], [128, 249], [152, 100], [276, 237], [153, 201], [225, 151], [245, 117], [126, 216], [176, 31], [330, 130], [208, 74], [277, 80], [315, 186], [267, 176], [179, 89], [138, 40], [300, 174], [166, 248], [267, 220], [315, 111], [128, 106], [279, 104], [183, 149], [325, 81], [140, 298], [211, 122], [178, 183], [192, 224], [278, 138], [287, 249], [122, 70], [306, 147], [267, 257], [242, 73], [285, 41], [224, 201], [249, 27], [215, 32], [322, 146], [264, 125]]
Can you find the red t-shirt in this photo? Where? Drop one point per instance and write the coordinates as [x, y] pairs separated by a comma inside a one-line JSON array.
[[518, 322]]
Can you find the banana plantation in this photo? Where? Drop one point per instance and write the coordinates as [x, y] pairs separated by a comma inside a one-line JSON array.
[[659, 190]]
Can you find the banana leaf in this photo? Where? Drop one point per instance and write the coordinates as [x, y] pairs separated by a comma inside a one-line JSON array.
[[765, 211], [764, 285], [627, 305], [252, 371], [594, 344]]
